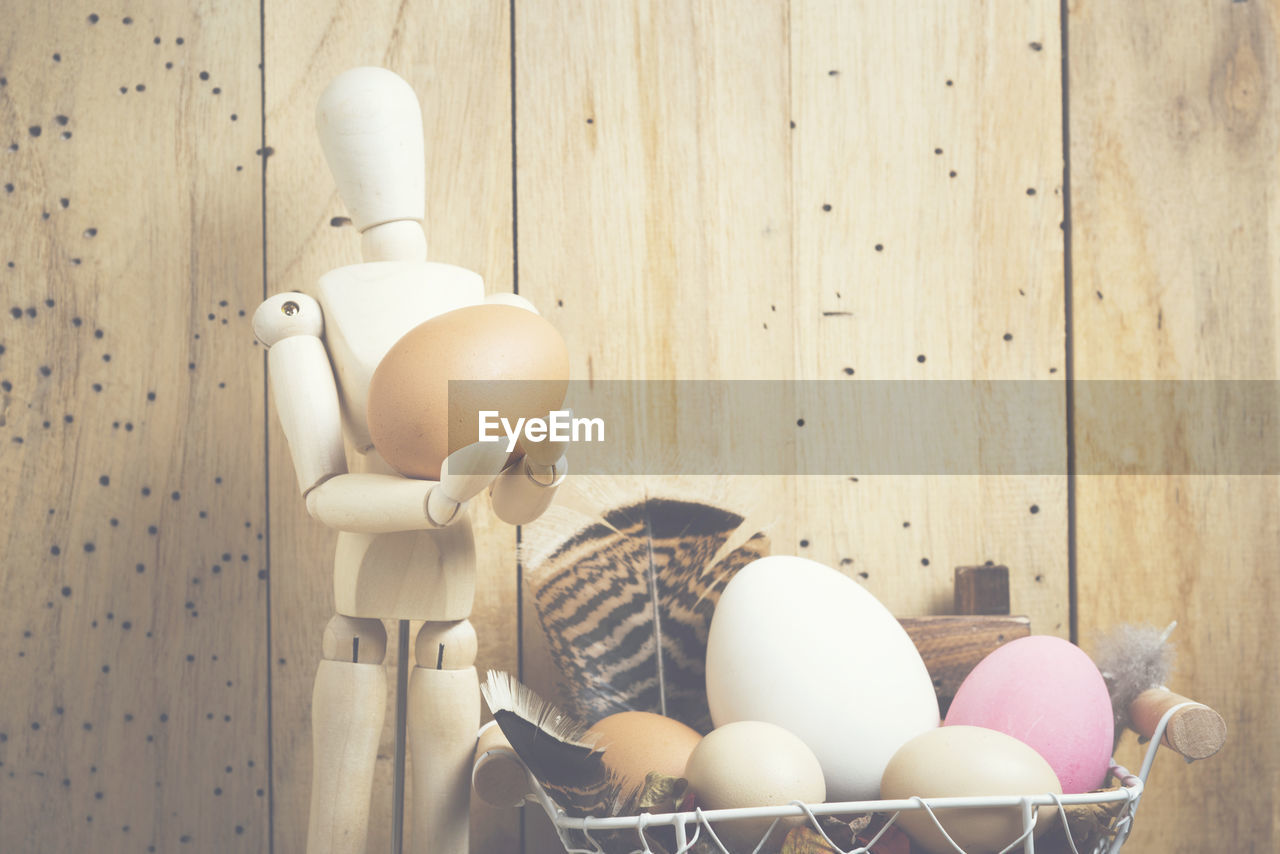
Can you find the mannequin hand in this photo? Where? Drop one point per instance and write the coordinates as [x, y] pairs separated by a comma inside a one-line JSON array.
[[464, 474]]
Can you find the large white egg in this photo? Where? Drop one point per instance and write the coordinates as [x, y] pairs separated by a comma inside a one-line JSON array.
[[798, 644]]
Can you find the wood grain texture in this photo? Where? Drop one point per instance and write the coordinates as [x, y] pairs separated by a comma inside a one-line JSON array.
[[747, 202], [673, 223], [134, 619], [1174, 136], [953, 646], [927, 168], [654, 216], [456, 56]]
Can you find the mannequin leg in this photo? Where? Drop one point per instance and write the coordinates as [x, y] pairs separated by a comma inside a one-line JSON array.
[[347, 708], [444, 717]]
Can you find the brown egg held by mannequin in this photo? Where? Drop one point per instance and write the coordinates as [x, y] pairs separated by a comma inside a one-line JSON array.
[[410, 413]]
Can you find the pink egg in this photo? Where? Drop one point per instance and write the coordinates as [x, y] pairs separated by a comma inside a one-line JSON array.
[[1047, 693]]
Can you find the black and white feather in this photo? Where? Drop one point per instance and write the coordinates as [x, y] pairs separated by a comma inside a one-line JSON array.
[[556, 749]]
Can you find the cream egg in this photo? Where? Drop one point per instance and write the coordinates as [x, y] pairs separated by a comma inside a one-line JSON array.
[[753, 764], [966, 761]]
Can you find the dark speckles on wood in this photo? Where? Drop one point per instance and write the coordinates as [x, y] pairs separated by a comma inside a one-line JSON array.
[[339, 222], [1036, 46]]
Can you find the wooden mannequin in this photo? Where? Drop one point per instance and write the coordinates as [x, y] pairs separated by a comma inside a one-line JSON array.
[[405, 549]]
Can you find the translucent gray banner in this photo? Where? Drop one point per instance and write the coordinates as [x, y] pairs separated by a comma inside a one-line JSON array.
[[868, 427]]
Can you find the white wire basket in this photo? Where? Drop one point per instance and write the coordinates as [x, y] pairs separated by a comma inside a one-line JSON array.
[[696, 831]]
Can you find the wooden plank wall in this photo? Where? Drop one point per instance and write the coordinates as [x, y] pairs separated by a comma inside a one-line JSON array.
[[753, 191], [1174, 136], [134, 631], [705, 189]]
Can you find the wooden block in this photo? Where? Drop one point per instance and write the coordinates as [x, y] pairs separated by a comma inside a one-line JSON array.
[[952, 646], [982, 590]]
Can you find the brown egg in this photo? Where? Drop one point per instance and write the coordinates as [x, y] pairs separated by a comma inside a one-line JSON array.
[[410, 411], [637, 743]]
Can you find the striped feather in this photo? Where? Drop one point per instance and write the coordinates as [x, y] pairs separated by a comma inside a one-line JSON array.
[[626, 603]]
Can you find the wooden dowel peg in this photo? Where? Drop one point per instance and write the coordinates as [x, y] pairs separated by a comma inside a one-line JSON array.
[[498, 777], [1196, 731]]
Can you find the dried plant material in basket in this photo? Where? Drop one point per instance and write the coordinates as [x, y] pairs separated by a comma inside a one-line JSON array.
[[1088, 824]]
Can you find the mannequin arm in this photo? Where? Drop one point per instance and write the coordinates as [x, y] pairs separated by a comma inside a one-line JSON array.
[[385, 503], [302, 385], [306, 397]]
